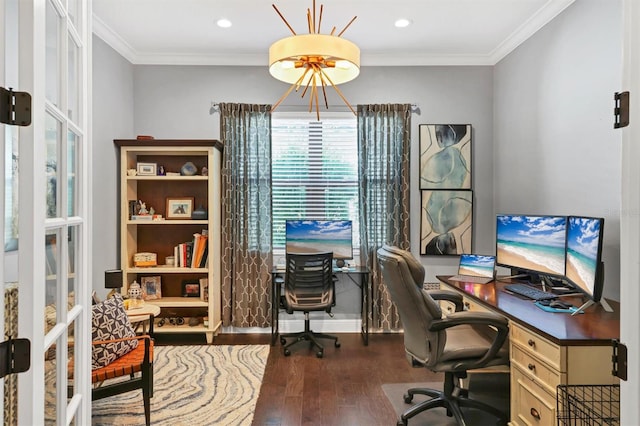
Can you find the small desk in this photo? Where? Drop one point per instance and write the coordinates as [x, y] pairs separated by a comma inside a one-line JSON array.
[[277, 280], [546, 349]]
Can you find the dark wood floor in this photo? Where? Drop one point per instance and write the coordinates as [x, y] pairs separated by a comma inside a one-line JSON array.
[[343, 388]]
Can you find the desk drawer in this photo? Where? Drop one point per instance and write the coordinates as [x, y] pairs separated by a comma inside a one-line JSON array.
[[530, 404], [537, 346], [535, 369]]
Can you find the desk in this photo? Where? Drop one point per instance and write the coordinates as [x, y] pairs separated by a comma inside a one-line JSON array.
[[546, 349], [277, 280]]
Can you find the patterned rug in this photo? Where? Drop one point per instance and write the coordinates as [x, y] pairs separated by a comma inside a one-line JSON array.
[[193, 385]]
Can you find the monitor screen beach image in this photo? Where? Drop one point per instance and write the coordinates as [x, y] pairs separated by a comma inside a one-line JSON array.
[[532, 243], [477, 265], [583, 251], [318, 236]]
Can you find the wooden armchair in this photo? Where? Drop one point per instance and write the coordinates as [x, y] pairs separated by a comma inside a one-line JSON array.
[[137, 364]]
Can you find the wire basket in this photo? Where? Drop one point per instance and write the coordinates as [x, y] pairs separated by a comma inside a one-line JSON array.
[[580, 405]]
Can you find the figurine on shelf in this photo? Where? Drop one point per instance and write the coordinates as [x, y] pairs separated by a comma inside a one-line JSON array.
[[143, 208], [161, 170], [152, 211]]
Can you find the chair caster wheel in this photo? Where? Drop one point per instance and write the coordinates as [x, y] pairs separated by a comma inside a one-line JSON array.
[[320, 354], [337, 344], [283, 341], [402, 423], [287, 352], [408, 398]]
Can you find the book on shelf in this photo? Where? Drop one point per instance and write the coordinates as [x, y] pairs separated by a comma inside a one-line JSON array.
[[204, 289], [199, 246], [141, 217]]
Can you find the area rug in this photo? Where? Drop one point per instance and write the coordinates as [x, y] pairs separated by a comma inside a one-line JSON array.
[[490, 388], [193, 385]]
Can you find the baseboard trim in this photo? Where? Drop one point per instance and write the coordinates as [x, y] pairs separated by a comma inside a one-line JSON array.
[[332, 325]]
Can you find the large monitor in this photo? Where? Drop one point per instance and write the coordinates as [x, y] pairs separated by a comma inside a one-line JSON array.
[[584, 255], [531, 243], [318, 236]]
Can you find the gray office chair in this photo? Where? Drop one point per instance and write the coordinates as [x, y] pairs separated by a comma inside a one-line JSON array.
[[309, 286], [453, 344]]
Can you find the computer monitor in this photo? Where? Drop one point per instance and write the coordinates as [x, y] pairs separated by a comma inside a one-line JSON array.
[[318, 236], [584, 268], [531, 244]]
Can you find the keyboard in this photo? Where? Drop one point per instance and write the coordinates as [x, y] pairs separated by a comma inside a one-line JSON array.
[[530, 292]]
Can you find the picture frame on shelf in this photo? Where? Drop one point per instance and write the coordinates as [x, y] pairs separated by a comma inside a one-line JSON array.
[[151, 287], [190, 288], [147, 169], [179, 207]]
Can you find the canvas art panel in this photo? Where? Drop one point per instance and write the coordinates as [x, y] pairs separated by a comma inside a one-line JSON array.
[[445, 156], [446, 222]]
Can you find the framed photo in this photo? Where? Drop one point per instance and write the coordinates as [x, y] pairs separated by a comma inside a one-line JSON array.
[[151, 288], [179, 207], [445, 156], [190, 288], [446, 222], [147, 169]]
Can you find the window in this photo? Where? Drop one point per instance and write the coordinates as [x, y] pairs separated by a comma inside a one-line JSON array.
[[314, 170]]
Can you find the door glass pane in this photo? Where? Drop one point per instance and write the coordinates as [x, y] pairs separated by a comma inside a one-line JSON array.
[[72, 166], [73, 11], [51, 382], [52, 140], [51, 284], [73, 81], [52, 55], [75, 371], [11, 188], [73, 262]]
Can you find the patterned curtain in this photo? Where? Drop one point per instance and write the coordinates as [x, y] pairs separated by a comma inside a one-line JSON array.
[[246, 215], [384, 138]]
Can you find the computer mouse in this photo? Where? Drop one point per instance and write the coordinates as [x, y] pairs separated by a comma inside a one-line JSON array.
[[558, 304]]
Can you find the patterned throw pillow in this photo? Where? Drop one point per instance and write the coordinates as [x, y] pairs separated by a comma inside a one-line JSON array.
[[110, 321]]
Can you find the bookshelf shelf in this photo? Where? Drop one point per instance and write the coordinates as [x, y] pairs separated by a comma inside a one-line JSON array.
[[163, 237]]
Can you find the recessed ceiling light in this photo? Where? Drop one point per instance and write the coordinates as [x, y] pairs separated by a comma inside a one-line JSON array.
[[223, 23], [402, 23]]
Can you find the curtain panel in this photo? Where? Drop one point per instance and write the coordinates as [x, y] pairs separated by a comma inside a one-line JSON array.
[[246, 215], [384, 139]]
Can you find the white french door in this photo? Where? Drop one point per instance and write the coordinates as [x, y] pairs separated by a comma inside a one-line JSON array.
[[52, 62]]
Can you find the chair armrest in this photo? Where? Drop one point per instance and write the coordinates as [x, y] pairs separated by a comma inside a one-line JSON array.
[[447, 295], [499, 323]]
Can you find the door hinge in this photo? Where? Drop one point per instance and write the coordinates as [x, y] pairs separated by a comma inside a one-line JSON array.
[[15, 356], [621, 110], [619, 359], [15, 107]]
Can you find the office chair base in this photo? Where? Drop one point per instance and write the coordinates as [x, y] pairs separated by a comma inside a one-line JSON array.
[[453, 398], [309, 336]]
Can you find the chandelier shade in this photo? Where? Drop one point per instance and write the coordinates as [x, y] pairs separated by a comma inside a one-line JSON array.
[[314, 61], [290, 57]]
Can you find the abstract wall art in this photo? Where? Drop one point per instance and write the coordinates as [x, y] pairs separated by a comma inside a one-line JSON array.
[[446, 222], [445, 156]]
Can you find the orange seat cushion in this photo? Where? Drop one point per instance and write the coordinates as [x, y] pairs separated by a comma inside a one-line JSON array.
[[125, 365]]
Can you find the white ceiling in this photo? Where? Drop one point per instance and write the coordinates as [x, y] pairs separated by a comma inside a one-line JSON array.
[[443, 32]]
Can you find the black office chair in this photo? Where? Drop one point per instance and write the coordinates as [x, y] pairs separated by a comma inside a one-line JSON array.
[[453, 344], [309, 286]]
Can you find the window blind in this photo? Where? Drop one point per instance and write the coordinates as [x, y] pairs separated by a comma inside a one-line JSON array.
[[314, 170]]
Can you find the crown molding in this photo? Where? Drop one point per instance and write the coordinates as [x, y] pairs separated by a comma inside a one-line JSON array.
[[547, 13]]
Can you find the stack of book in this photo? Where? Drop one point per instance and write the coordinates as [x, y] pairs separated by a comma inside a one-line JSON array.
[[193, 254]]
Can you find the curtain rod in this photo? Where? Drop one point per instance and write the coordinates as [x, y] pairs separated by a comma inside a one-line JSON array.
[[215, 108]]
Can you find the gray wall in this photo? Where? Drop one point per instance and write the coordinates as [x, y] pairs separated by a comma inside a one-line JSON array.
[[112, 118], [555, 149]]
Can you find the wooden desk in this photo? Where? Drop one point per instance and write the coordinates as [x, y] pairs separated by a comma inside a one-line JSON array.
[[277, 280], [547, 349]]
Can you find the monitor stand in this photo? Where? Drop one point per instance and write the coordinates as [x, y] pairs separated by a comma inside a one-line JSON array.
[[605, 305]]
